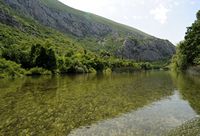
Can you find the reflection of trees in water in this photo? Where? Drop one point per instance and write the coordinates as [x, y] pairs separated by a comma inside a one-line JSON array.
[[57, 105], [189, 87], [40, 89]]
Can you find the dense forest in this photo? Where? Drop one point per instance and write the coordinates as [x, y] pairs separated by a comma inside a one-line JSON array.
[[188, 51]]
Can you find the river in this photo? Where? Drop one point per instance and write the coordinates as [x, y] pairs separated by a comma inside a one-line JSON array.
[[119, 104]]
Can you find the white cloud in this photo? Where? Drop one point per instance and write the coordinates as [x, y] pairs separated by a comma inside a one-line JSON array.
[[176, 3], [160, 13], [192, 2], [125, 17], [136, 17]]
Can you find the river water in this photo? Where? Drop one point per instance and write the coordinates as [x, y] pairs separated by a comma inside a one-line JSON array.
[[120, 104]]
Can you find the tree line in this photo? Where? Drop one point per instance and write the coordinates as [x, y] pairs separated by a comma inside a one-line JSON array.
[[188, 50]]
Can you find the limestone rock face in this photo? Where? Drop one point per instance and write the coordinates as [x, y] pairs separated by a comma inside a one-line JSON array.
[[150, 50], [137, 45], [60, 20], [5, 18]]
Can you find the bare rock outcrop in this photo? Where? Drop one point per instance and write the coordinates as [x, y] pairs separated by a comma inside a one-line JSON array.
[[147, 50]]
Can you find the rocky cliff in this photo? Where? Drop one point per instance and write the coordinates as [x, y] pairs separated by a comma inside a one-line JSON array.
[[58, 19], [150, 50], [56, 15], [5, 18]]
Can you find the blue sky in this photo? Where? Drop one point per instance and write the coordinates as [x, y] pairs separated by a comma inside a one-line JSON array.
[[166, 19]]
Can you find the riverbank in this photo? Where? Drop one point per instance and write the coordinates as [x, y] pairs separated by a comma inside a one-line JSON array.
[[10, 69]]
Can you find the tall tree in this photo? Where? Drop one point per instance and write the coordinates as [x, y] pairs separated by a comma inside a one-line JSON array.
[[188, 52]]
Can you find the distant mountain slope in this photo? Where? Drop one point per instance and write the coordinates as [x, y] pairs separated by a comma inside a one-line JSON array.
[[96, 33]]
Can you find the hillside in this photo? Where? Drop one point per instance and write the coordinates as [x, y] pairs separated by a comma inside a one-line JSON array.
[[93, 32]]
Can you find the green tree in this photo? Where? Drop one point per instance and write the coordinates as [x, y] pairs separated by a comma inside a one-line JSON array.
[[188, 51], [43, 57], [198, 15], [17, 55]]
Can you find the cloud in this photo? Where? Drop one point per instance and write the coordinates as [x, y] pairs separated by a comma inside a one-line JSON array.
[[192, 2], [160, 13], [125, 17], [137, 17], [176, 3]]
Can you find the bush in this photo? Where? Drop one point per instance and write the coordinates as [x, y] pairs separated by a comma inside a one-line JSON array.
[[17, 55], [179, 61], [197, 61], [10, 69], [62, 66], [43, 57], [38, 71], [146, 66]]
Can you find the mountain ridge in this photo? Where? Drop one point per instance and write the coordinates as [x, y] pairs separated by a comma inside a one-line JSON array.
[[92, 16], [96, 32]]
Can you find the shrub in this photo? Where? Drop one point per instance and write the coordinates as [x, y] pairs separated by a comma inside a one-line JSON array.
[[38, 71], [43, 57], [17, 55], [10, 69], [146, 66]]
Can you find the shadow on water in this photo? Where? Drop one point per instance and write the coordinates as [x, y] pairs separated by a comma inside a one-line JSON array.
[[58, 105]]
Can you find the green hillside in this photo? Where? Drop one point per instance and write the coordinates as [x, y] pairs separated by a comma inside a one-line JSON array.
[[28, 47], [95, 31]]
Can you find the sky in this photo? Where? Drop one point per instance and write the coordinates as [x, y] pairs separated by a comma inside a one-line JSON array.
[[166, 19]]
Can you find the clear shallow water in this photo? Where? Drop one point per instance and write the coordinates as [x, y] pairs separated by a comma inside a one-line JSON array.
[[154, 119], [145, 103]]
